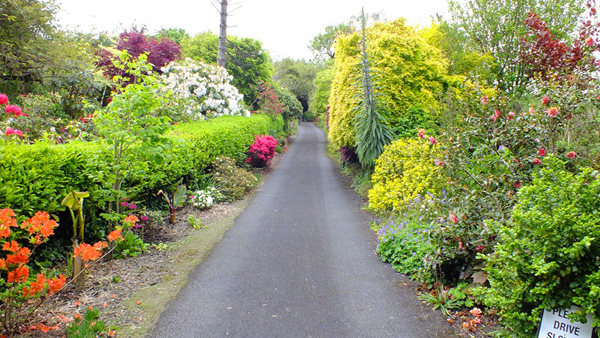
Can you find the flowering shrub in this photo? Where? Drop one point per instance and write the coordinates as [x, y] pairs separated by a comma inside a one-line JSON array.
[[405, 170], [201, 91], [261, 151], [205, 199], [11, 113], [22, 295], [547, 255]]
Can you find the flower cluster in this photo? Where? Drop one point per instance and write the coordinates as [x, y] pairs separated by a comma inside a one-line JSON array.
[[261, 151], [205, 199], [13, 112], [202, 91]]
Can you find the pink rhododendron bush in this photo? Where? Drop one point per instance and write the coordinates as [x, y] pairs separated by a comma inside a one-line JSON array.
[[261, 151]]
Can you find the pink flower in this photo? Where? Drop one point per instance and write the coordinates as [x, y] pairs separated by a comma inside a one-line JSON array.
[[3, 99], [192, 197], [571, 154], [493, 118], [124, 204], [553, 111], [421, 133], [11, 131], [545, 100], [479, 248], [438, 162], [144, 218], [453, 217], [497, 113], [518, 184], [511, 116], [476, 312], [570, 116], [484, 100], [432, 140], [537, 161], [531, 110], [10, 109], [542, 152], [589, 42]]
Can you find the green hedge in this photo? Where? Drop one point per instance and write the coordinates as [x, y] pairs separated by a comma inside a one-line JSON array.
[[37, 176]]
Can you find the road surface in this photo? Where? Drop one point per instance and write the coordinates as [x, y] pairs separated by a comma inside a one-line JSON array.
[[299, 262]]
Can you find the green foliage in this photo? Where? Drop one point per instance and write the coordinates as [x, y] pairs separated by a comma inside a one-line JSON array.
[[407, 72], [323, 45], [546, 257], [320, 98], [441, 299], [404, 243], [196, 223], [177, 35], [292, 108], [131, 245], [233, 181], [176, 201], [405, 171], [496, 27], [297, 76], [87, 326]]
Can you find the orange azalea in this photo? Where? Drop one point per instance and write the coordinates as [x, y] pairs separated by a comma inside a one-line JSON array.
[[56, 283], [115, 235], [36, 286], [87, 252], [131, 219], [7, 220], [11, 246], [40, 225], [20, 257], [2, 264], [20, 274]]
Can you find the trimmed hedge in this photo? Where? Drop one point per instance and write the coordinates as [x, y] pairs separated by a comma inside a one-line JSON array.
[[38, 176]]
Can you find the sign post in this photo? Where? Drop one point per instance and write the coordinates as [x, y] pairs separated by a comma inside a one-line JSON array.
[[555, 324]]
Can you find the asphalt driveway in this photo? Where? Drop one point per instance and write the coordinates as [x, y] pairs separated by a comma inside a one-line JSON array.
[[299, 262]]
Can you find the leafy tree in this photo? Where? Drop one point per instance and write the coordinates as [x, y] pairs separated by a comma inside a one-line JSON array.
[[247, 62], [176, 35], [323, 45], [496, 27], [322, 90], [26, 31], [298, 77], [160, 53]]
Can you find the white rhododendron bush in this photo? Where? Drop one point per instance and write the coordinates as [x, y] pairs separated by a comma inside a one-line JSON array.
[[202, 91]]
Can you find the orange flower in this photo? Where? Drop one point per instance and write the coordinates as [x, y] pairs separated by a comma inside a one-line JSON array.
[[41, 225], [11, 246], [56, 283], [131, 220], [88, 252], [36, 286], [21, 257], [2, 264], [115, 235], [100, 245], [77, 316], [20, 274], [7, 220]]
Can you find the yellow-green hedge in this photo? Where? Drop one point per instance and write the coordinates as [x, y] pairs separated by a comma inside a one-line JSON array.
[[405, 170]]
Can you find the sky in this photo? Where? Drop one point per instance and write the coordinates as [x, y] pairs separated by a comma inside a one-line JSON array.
[[285, 28]]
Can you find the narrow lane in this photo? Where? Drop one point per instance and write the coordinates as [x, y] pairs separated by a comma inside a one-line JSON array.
[[299, 262]]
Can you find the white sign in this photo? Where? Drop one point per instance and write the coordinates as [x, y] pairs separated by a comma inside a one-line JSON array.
[[555, 324]]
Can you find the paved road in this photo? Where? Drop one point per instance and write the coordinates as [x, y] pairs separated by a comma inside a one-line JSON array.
[[299, 262]]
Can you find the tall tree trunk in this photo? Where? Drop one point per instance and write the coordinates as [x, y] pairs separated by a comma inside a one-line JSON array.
[[223, 34]]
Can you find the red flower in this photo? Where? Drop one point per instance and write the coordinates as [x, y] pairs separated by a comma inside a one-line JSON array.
[[479, 248], [484, 100], [537, 161], [589, 42], [432, 140], [571, 154], [518, 184], [493, 118], [497, 113], [542, 152], [3, 99], [421, 133], [553, 111], [11, 131], [545, 100], [511, 116]]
